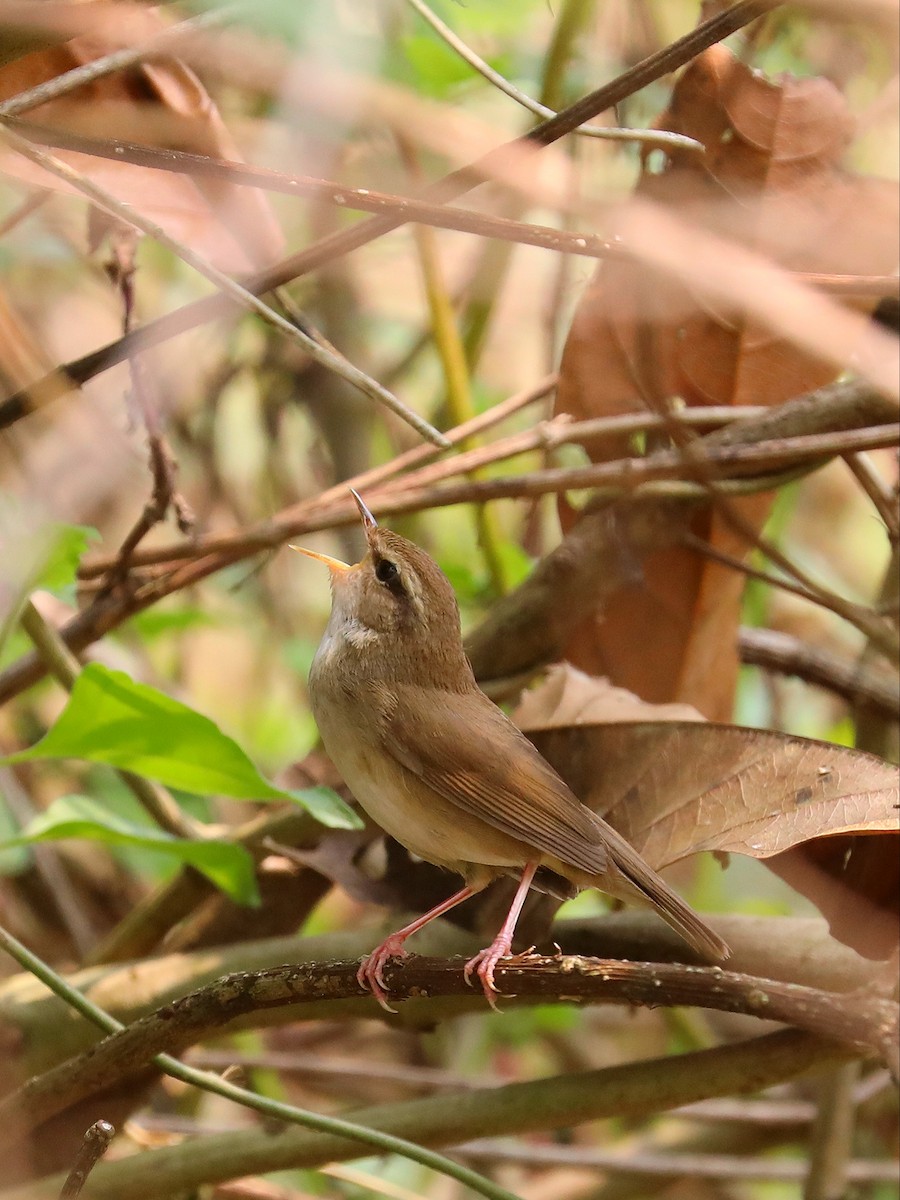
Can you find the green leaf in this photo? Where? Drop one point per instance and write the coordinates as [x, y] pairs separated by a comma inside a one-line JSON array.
[[45, 558], [16, 860], [113, 720], [436, 69], [67, 546], [229, 866], [327, 807], [154, 622]]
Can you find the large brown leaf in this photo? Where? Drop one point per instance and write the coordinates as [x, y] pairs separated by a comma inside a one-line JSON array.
[[771, 180], [160, 102], [673, 787]]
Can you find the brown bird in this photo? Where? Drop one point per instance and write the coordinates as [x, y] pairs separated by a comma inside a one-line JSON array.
[[440, 768]]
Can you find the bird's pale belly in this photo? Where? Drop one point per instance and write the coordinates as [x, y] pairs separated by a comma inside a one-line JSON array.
[[411, 812]]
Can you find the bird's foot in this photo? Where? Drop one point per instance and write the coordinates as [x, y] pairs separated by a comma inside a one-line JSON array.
[[370, 975], [485, 961]]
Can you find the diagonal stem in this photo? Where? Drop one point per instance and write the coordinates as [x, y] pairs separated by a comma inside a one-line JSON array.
[[207, 1081]]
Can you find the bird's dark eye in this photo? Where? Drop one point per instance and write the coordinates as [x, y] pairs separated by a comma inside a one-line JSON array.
[[386, 571]]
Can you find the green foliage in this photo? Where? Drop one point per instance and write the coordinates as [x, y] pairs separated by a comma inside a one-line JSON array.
[[113, 720], [57, 572], [228, 865], [431, 66], [47, 562], [156, 622], [15, 859]]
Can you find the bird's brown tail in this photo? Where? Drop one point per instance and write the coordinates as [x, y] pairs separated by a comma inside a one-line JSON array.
[[668, 904]]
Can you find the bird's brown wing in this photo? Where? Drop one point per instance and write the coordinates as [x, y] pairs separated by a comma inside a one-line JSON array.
[[469, 753], [464, 748]]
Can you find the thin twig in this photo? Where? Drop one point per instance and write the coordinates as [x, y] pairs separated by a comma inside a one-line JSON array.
[[50, 866], [876, 488], [119, 60], [301, 1063], [610, 479], [406, 208], [827, 1174], [621, 476], [776, 651], [698, 462], [546, 435], [676, 1165], [879, 631], [34, 201], [121, 270], [648, 137], [453, 185], [235, 291]]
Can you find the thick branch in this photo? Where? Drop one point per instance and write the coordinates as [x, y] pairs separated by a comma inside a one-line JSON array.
[[838, 673], [865, 1021], [529, 627], [795, 950]]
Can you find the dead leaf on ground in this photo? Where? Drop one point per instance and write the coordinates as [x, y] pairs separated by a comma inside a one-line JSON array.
[[771, 180], [676, 787], [157, 103]]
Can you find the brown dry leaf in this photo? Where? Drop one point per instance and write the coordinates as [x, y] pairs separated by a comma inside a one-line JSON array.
[[771, 180], [568, 696], [676, 787], [160, 103]]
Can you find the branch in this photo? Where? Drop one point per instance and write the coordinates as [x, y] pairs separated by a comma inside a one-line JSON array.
[[633, 1090], [94, 1145], [533, 607], [326, 356], [863, 1020], [456, 184], [796, 950], [781, 652], [273, 1109]]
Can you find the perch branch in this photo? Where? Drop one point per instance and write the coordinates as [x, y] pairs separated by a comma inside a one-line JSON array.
[[863, 1020]]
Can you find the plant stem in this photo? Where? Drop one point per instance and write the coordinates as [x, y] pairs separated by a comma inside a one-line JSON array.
[[384, 1143]]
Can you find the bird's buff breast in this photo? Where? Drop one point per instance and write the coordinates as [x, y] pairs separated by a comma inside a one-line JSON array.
[[423, 821]]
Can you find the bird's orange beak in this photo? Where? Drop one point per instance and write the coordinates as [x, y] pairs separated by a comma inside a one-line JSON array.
[[334, 565]]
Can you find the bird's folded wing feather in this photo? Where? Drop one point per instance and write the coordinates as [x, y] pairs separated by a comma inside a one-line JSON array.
[[472, 755]]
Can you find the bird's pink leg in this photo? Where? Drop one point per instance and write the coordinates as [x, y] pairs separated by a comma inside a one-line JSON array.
[[484, 962], [371, 973]]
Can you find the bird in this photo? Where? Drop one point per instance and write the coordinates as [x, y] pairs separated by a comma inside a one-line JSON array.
[[438, 766]]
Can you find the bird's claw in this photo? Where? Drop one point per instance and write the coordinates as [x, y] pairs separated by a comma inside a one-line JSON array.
[[483, 965], [370, 975]]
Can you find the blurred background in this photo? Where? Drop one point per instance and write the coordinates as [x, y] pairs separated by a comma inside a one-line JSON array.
[[734, 249]]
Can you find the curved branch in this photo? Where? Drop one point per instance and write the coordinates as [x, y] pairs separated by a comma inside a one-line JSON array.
[[864, 1021]]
